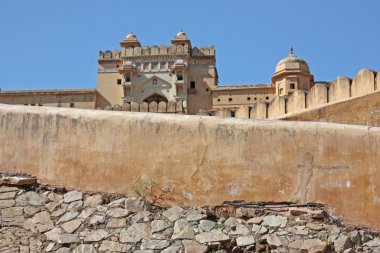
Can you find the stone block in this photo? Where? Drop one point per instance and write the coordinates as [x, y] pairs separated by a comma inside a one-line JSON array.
[[259, 110], [153, 107], [363, 83], [316, 96], [134, 107], [144, 107], [296, 102], [339, 89], [276, 107], [162, 107]]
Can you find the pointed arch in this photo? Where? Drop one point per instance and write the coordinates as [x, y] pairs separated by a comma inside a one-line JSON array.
[[156, 98]]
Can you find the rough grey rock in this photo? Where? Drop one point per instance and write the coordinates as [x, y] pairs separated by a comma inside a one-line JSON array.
[[314, 245], [275, 221], [135, 233], [182, 230], [173, 213], [7, 203], [154, 244], [231, 221], [117, 223], [273, 240], [84, 248], [245, 240], [111, 246], [117, 203], [206, 225], [212, 236], [118, 212], [72, 225], [7, 195], [239, 230], [75, 205], [93, 201], [68, 216], [68, 238], [194, 247], [96, 235], [31, 198], [53, 234], [194, 215], [342, 243], [12, 216], [255, 220], [159, 225], [97, 219], [72, 196], [42, 221]]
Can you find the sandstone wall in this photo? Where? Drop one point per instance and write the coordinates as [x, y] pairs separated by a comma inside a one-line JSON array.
[[363, 110], [198, 160], [365, 82], [317, 95], [339, 89]]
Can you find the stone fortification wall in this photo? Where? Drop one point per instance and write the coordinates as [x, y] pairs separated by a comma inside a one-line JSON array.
[[161, 107], [364, 110], [365, 82], [198, 160], [53, 220], [156, 51]]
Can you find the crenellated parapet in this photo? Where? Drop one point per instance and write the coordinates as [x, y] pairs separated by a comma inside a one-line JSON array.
[[109, 55], [156, 51], [364, 83]]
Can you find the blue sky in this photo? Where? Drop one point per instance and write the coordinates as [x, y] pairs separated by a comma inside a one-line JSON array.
[[54, 44]]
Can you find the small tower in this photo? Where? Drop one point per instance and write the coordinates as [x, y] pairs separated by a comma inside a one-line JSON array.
[[181, 39], [292, 73], [130, 41]]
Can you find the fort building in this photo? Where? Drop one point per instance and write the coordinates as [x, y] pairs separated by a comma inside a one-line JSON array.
[[178, 75]]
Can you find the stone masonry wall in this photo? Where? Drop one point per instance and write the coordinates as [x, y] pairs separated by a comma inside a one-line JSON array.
[[197, 160], [47, 219]]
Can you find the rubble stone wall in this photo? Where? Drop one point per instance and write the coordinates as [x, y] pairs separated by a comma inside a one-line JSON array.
[[197, 160], [54, 220]]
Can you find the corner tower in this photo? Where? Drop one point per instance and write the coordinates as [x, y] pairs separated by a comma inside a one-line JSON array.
[[292, 73]]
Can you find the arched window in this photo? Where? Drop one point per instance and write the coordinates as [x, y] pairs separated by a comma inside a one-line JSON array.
[[155, 97]]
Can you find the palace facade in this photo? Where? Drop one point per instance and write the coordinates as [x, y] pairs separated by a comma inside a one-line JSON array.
[[177, 76]]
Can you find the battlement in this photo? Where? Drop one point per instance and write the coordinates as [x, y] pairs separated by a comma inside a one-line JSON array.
[[196, 52]]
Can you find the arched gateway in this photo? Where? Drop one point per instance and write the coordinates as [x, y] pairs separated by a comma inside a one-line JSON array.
[[156, 98]]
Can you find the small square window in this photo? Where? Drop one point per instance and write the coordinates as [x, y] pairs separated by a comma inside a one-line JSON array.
[[255, 98], [118, 81], [192, 85], [72, 105], [218, 99], [292, 86], [207, 89], [128, 78], [266, 98], [179, 77], [248, 98], [229, 99]]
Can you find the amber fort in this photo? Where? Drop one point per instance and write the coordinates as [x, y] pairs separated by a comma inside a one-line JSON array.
[[182, 78], [162, 157]]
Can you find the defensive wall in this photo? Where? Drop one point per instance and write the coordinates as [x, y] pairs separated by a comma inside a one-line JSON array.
[[198, 160], [363, 110], [343, 88], [161, 107]]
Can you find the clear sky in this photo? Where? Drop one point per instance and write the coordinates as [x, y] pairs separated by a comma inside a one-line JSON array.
[[54, 44]]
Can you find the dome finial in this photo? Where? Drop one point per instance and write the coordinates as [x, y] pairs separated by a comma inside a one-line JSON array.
[[291, 49]]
